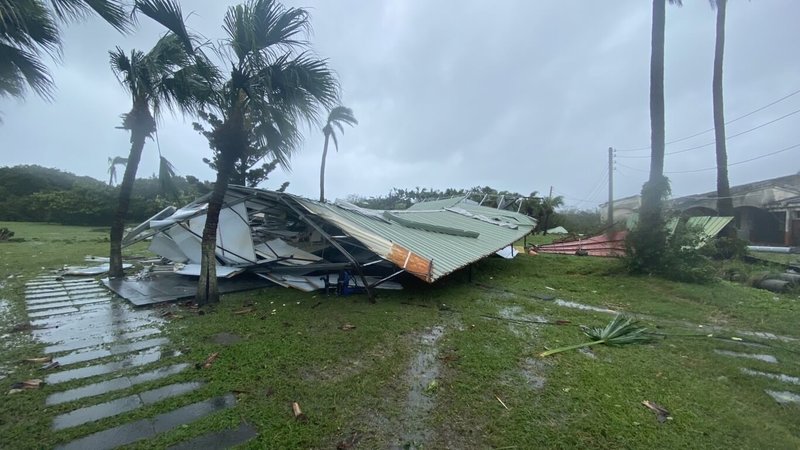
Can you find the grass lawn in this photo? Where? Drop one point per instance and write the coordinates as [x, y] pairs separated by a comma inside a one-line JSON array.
[[452, 365]]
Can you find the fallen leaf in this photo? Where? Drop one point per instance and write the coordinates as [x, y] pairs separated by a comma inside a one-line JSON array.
[[243, 311], [210, 360], [41, 360], [347, 327]]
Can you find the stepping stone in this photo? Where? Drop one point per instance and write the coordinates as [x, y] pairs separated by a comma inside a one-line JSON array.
[[115, 384], [83, 341], [141, 359], [765, 358], [121, 405], [219, 440], [775, 376], [147, 428], [66, 303], [118, 349], [783, 397]]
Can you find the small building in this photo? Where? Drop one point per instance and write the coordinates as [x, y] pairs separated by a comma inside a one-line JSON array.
[[765, 212]]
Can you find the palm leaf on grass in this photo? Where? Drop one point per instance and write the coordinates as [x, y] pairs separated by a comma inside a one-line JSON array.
[[620, 331]]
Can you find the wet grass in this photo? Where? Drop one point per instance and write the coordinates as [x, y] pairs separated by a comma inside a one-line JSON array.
[[354, 384]]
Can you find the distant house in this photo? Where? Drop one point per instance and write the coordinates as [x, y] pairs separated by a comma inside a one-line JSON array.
[[766, 212]]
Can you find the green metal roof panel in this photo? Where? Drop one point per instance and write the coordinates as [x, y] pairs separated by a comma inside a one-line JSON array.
[[448, 252]]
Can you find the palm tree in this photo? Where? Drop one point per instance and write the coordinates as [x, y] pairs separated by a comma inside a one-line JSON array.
[[651, 239], [274, 85], [170, 75], [29, 29], [112, 168], [724, 201], [548, 208], [336, 117]]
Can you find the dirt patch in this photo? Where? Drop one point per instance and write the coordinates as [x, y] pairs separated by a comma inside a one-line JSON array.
[[534, 372]]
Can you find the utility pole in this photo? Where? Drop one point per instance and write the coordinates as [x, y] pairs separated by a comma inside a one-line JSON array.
[[610, 186]]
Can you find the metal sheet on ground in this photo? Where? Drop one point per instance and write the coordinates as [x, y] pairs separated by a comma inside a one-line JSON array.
[[170, 287]]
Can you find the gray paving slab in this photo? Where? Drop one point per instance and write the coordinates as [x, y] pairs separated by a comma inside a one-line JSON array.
[[67, 310], [114, 384], [220, 439], [67, 297], [82, 340], [147, 428], [122, 405], [65, 303], [140, 359], [112, 312], [117, 349]]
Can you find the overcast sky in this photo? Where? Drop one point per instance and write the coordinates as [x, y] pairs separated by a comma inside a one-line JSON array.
[[519, 95]]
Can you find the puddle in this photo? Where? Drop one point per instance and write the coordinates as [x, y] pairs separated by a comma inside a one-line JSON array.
[[586, 351], [581, 306], [225, 338], [775, 376], [520, 328], [423, 372], [768, 336], [765, 358], [783, 397], [533, 370]]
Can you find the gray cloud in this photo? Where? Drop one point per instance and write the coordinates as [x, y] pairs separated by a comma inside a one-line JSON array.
[[518, 95]]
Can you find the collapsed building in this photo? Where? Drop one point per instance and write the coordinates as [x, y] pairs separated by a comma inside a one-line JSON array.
[[296, 242]]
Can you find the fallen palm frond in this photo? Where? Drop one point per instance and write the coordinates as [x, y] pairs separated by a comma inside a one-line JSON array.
[[620, 331]]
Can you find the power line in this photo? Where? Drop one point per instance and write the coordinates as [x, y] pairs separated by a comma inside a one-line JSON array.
[[727, 138], [785, 149], [638, 149]]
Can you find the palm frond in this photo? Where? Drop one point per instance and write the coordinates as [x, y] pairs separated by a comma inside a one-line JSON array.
[[264, 26], [167, 13], [19, 68], [28, 24], [111, 11], [166, 173], [621, 330]]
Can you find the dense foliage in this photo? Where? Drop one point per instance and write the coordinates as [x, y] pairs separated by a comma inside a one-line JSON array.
[[40, 194]]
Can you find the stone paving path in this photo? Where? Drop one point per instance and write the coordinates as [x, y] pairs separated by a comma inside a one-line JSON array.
[[106, 347]]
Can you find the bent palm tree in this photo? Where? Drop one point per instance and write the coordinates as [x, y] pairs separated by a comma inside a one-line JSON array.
[[548, 207], [724, 201], [336, 118], [274, 85], [170, 75], [29, 29]]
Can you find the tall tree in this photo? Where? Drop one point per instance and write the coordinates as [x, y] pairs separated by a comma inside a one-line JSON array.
[[724, 200], [29, 29], [274, 85], [336, 117], [547, 209], [171, 75], [650, 241]]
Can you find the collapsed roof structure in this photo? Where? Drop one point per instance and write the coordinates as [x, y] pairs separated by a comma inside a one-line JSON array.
[[297, 242]]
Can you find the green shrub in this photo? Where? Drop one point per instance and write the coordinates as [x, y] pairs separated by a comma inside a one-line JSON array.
[[726, 248], [680, 259]]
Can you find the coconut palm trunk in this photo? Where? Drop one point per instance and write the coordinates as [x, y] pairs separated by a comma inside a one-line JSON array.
[[322, 169], [724, 201], [141, 125]]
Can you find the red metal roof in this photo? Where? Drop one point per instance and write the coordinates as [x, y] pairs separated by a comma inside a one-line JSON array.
[[606, 244]]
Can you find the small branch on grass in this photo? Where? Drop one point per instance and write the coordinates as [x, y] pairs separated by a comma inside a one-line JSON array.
[[501, 402], [537, 322]]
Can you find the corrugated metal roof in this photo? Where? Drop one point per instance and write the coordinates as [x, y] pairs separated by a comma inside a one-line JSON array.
[[447, 252], [437, 204], [711, 226]]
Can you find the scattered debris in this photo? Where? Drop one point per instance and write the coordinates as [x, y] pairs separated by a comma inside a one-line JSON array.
[[298, 414], [244, 311], [501, 402], [347, 327], [349, 442], [39, 360], [208, 362], [661, 413], [620, 331], [6, 234], [51, 365], [20, 386]]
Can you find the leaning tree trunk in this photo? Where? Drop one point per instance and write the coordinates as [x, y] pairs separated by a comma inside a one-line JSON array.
[[141, 124], [724, 201], [322, 169], [651, 239], [207, 289]]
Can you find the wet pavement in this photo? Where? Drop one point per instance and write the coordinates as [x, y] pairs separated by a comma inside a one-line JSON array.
[[104, 347]]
